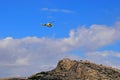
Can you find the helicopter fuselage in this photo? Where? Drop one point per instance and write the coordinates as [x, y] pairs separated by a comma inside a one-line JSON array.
[[48, 25]]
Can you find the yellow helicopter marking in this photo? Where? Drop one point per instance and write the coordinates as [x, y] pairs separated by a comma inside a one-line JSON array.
[[48, 24]]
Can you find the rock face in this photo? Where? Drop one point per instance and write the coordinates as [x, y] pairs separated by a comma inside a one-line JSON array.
[[78, 70]]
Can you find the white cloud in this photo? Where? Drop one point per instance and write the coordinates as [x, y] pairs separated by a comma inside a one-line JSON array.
[[22, 61], [57, 10], [105, 57], [30, 54], [94, 37], [105, 54]]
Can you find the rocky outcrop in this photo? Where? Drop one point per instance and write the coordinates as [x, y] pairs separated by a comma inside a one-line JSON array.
[[78, 70]]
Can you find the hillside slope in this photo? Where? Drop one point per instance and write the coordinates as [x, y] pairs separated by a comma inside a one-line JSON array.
[[78, 70]]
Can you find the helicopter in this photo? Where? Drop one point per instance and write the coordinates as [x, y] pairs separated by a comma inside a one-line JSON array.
[[49, 24]]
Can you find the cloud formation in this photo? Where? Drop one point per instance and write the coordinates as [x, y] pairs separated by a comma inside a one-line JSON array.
[[94, 37], [32, 53], [109, 58], [28, 55], [56, 10]]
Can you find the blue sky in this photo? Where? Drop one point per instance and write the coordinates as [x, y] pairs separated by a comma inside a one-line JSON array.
[[25, 16], [88, 29]]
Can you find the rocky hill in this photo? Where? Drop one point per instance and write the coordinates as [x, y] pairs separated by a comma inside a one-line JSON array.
[[78, 70]]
